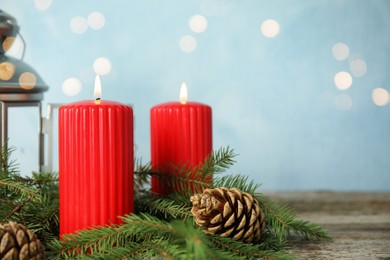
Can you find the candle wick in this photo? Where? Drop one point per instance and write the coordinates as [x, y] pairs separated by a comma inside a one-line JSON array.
[[98, 98]]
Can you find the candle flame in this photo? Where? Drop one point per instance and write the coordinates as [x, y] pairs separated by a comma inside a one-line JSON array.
[[183, 93], [98, 88]]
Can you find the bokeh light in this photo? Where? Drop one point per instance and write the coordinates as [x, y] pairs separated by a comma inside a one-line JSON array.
[[380, 96], [96, 20], [12, 45], [187, 43], [343, 102], [198, 23], [340, 51], [343, 80], [27, 80], [358, 67], [270, 28], [78, 25], [8, 43], [71, 86], [7, 70], [42, 5], [102, 66]]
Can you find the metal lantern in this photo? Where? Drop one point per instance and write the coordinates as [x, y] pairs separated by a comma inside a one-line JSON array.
[[20, 84]]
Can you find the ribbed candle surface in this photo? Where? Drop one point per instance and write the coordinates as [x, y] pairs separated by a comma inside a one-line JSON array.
[[96, 176], [181, 134]]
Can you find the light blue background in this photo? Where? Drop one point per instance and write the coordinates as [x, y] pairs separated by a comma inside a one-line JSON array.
[[273, 99]]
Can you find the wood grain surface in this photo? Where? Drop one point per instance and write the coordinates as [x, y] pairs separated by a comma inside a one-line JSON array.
[[358, 222]]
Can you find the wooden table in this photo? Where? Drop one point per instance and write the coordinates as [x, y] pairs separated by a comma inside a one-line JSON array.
[[358, 222]]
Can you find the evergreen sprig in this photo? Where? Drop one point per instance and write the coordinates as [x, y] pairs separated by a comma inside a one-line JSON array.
[[282, 221], [6, 164], [31, 201], [258, 251], [170, 209], [141, 176], [185, 179], [236, 181], [161, 226], [218, 162]]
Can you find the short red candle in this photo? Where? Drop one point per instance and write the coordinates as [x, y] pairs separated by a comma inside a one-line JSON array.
[[96, 176], [181, 134]]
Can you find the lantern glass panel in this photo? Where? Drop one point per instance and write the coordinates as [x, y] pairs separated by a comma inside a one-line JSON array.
[[23, 134]]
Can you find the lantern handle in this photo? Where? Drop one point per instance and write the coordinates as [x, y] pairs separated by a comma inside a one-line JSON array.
[[24, 45]]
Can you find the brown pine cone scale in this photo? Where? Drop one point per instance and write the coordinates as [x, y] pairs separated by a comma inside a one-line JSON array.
[[229, 213], [17, 242]]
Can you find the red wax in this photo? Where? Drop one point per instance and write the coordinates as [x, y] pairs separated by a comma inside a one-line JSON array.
[[181, 134], [96, 172]]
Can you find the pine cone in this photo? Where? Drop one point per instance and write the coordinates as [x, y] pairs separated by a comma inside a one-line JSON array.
[[17, 242], [229, 213]]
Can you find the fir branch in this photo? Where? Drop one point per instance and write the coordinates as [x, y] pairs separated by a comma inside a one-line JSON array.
[[163, 226], [12, 188], [17, 194], [163, 248], [8, 202], [140, 167], [99, 239], [174, 206], [270, 242], [189, 182], [16, 209], [170, 208], [150, 224], [281, 220], [195, 241], [44, 180], [258, 251], [219, 161], [148, 249], [309, 230], [42, 218], [180, 198], [277, 216], [236, 181], [141, 175], [185, 180], [104, 239], [130, 251], [7, 166], [31, 201]]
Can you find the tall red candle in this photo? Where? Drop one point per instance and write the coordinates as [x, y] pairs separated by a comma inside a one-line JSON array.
[[96, 179], [181, 135]]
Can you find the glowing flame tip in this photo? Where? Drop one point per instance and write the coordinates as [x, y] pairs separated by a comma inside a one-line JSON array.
[[183, 93], [98, 88]]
